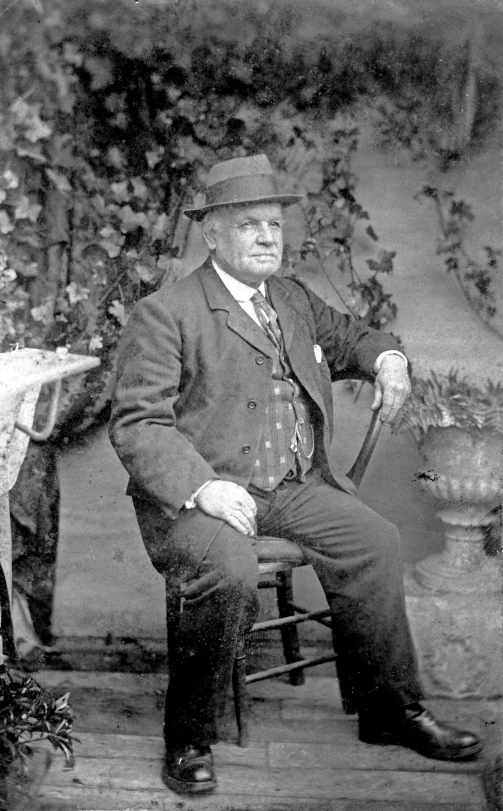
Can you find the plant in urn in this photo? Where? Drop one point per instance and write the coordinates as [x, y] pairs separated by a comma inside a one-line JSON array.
[[458, 428]]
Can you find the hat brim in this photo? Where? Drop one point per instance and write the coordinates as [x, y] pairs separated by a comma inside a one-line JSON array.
[[197, 214]]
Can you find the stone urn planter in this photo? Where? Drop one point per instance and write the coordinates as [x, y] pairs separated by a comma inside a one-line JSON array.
[[463, 473], [454, 597], [458, 427]]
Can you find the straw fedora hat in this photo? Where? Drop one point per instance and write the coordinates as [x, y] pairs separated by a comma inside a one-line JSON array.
[[241, 180]]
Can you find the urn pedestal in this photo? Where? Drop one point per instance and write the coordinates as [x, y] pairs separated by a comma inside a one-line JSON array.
[[454, 597]]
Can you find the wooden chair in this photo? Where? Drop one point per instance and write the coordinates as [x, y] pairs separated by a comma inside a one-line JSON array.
[[278, 557]]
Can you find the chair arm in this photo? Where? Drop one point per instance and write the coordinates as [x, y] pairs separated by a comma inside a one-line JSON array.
[[358, 470]]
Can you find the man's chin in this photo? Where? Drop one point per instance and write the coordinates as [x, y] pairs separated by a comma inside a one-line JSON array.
[[267, 265]]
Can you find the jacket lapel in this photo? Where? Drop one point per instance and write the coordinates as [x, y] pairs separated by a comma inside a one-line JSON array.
[[297, 340], [286, 315], [238, 321]]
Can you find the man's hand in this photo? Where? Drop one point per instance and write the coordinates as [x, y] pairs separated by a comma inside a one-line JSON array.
[[392, 387], [230, 502]]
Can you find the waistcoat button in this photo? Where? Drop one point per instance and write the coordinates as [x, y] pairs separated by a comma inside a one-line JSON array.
[[259, 359], [246, 448], [252, 404]]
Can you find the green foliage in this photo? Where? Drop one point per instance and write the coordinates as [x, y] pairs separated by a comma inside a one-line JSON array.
[[101, 153], [433, 96], [476, 278], [448, 400], [29, 714], [332, 214]]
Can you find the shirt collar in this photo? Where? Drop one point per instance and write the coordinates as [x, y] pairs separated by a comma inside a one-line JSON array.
[[237, 289]]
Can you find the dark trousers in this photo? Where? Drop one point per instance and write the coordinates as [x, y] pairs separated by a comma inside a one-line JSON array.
[[356, 555]]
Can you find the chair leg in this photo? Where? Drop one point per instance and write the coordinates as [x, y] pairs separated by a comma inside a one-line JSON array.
[[239, 689], [289, 634]]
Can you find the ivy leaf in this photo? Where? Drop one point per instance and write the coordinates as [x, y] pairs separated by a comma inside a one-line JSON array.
[[60, 181], [115, 157], [27, 116], [9, 179], [120, 191], [140, 190], [25, 210], [99, 203], [130, 220], [7, 276], [371, 233], [160, 227], [5, 224], [38, 130], [112, 241], [101, 71], [118, 311], [145, 273], [76, 293], [43, 312], [95, 342], [113, 250], [154, 156], [72, 55]]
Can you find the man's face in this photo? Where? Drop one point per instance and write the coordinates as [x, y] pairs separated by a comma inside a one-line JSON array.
[[247, 241]]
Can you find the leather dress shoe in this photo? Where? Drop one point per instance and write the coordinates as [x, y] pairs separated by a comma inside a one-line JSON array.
[[416, 728], [189, 770]]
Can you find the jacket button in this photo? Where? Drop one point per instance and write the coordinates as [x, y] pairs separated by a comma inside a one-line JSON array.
[[252, 404], [246, 449], [259, 359]]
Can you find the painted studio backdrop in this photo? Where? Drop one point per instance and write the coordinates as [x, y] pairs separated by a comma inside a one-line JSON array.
[[385, 116]]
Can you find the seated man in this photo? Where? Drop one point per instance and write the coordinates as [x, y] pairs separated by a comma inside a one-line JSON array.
[[222, 416]]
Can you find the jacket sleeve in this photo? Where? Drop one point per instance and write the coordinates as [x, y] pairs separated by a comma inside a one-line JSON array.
[[350, 346], [163, 464]]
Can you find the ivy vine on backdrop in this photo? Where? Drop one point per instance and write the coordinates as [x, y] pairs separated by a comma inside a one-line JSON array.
[[98, 155], [105, 135]]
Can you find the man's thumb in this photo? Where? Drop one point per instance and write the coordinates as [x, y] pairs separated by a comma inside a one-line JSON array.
[[377, 402]]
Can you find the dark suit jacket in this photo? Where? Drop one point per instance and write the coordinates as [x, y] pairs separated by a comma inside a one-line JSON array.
[[193, 377]]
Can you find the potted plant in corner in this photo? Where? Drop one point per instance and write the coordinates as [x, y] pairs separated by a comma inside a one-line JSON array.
[[458, 428], [29, 714]]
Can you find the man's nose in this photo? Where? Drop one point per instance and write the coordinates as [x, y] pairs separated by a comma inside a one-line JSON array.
[[265, 234]]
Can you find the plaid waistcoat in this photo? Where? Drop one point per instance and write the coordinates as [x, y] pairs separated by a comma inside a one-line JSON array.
[[287, 440]]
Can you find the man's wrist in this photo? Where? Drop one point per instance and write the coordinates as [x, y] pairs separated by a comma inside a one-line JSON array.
[[378, 361], [191, 502]]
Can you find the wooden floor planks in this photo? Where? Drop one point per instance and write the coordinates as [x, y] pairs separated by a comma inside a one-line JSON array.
[[304, 754]]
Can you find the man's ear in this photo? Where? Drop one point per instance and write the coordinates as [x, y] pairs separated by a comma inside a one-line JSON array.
[[209, 238], [208, 228]]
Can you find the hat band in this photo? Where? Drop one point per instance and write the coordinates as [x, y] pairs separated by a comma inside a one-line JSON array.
[[241, 189]]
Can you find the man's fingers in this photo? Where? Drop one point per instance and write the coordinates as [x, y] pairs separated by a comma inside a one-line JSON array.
[[231, 503], [236, 523], [388, 401]]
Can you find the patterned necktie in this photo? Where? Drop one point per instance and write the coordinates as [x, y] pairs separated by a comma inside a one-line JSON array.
[[268, 318]]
